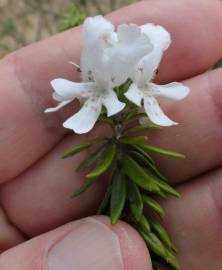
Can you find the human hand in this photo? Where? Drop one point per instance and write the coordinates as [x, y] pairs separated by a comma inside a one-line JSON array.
[[36, 183]]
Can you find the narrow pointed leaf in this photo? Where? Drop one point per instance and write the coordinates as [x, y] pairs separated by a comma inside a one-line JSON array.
[[150, 202], [161, 232], [142, 152], [136, 203], [105, 163], [173, 248], [137, 174], [81, 147], [133, 117], [142, 128], [154, 244], [86, 185], [162, 194], [120, 90], [91, 158], [104, 204], [144, 224], [146, 162], [167, 188], [134, 140], [172, 260], [148, 147], [118, 196]]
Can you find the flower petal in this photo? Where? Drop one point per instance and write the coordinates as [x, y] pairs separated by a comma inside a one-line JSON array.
[[67, 90], [112, 104], [121, 58], [148, 65], [146, 68], [158, 36], [84, 120], [134, 94], [57, 97], [173, 91], [94, 28], [59, 106], [96, 33], [155, 113]]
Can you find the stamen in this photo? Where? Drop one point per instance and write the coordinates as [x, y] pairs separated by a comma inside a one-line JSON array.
[[75, 65]]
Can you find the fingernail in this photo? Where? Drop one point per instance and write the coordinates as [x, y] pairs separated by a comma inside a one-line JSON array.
[[91, 245]]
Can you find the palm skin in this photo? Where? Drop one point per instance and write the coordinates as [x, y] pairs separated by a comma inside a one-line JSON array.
[[36, 184]]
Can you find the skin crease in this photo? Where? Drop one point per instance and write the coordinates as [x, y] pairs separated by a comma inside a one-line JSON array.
[[36, 198]]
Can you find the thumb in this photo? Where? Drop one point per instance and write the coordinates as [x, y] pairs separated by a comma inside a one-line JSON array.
[[90, 243]]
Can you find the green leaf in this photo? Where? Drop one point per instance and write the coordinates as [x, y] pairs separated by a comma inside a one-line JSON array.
[[120, 90], [105, 201], [218, 64], [142, 128], [87, 184], [154, 244], [148, 147], [81, 147], [162, 194], [106, 120], [137, 174], [153, 205], [136, 203], [144, 224], [142, 152], [172, 260], [147, 163], [167, 188], [73, 17], [133, 140], [89, 160], [118, 196], [107, 160], [133, 117], [162, 233]]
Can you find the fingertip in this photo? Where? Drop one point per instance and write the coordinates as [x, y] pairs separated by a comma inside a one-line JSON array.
[[90, 243], [134, 251]]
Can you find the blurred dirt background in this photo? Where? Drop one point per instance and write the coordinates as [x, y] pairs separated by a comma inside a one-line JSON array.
[[25, 21]]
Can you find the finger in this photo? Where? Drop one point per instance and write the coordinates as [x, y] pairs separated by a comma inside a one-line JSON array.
[[85, 244], [199, 132], [9, 235], [25, 91], [40, 200], [199, 137], [194, 221]]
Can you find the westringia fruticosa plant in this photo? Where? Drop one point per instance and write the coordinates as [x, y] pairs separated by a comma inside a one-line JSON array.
[[117, 70]]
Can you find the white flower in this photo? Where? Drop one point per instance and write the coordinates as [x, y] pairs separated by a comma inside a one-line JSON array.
[[94, 95], [144, 89], [107, 61], [112, 53]]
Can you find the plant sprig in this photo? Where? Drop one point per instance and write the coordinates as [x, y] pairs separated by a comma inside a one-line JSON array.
[[135, 184], [117, 87]]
